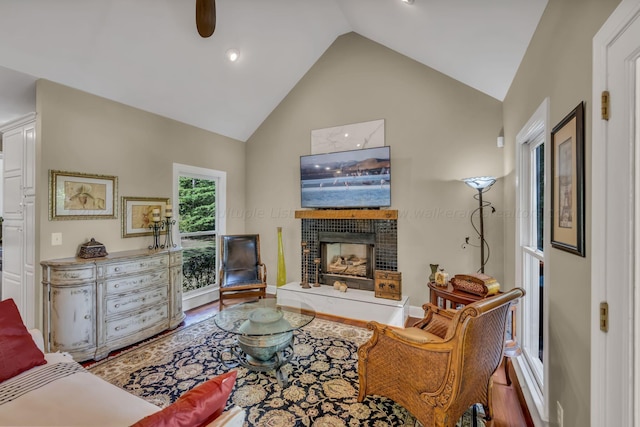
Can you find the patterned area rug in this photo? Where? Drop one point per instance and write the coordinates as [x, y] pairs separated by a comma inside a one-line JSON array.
[[323, 377]]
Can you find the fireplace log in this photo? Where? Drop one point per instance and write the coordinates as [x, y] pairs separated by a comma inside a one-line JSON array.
[[352, 265]]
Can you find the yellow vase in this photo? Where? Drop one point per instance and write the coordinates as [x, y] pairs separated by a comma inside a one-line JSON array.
[[281, 277]]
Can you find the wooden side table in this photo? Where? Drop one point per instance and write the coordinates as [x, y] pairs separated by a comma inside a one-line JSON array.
[[448, 297]]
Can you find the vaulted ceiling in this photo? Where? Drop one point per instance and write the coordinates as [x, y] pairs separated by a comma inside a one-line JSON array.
[[148, 54]]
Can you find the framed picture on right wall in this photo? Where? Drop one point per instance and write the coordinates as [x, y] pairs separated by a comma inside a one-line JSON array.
[[567, 183]]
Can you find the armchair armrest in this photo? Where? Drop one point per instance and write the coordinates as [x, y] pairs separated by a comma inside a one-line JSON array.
[[264, 271], [415, 335], [429, 307], [437, 320]]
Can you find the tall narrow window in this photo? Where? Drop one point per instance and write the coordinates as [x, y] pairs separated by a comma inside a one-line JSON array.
[[533, 258], [199, 198], [531, 242]]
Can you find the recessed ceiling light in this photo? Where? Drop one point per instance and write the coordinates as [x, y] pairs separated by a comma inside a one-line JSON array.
[[233, 55], [407, 1]]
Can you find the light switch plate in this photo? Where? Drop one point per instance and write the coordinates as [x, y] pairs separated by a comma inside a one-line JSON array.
[[56, 239]]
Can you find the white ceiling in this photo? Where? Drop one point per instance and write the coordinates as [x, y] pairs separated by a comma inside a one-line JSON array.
[[148, 54]]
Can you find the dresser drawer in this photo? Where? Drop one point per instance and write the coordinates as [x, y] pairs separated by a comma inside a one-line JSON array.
[[132, 267], [74, 274], [124, 284], [136, 300], [130, 325]]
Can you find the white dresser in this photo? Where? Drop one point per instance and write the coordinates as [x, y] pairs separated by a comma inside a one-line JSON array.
[[94, 306]]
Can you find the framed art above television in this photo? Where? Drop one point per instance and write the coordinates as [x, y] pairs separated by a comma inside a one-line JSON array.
[[346, 179], [355, 136]]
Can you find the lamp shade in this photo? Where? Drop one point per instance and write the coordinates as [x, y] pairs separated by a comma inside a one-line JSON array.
[[480, 182]]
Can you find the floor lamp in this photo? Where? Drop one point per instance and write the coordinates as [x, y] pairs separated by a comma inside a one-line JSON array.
[[482, 184]]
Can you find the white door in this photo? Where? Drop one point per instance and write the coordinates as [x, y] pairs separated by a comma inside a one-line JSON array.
[[19, 264], [615, 208], [12, 262]]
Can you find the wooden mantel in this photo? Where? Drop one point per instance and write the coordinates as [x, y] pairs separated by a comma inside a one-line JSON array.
[[347, 214]]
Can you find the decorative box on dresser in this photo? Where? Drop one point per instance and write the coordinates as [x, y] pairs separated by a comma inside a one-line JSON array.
[[95, 306]]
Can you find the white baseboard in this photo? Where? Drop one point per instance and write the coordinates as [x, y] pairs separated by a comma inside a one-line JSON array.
[[199, 297]]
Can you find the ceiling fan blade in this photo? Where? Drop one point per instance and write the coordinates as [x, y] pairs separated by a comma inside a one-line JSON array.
[[205, 17]]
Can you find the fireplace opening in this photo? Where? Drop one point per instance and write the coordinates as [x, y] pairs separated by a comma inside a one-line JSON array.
[[347, 257]]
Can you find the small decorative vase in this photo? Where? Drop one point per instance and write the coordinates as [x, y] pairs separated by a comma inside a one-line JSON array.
[[434, 268], [281, 277]]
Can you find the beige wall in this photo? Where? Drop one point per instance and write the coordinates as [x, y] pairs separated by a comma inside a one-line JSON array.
[[558, 65], [79, 132], [439, 131]]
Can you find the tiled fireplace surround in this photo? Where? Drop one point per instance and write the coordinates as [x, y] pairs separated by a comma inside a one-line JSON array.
[[355, 303], [386, 240]]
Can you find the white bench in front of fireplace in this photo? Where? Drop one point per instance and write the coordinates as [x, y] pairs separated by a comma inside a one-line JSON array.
[[354, 304]]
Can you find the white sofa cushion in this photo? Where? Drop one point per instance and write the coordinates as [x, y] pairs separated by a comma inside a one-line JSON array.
[[80, 399]]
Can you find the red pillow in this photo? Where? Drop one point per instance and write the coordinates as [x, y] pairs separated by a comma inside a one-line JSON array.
[[197, 407], [18, 352]]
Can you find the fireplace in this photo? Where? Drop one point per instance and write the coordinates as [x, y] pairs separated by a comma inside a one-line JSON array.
[[370, 235], [347, 257]]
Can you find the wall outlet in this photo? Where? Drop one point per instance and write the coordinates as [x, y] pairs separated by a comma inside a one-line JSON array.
[[560, 414], [56, 239]]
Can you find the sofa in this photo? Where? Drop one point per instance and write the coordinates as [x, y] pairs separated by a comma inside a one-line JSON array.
[[51, 389]]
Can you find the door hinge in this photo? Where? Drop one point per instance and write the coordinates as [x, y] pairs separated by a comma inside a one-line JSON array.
[[604, 317], [605, 105]]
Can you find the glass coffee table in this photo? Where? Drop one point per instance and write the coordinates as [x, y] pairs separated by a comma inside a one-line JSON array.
[[264, 333]]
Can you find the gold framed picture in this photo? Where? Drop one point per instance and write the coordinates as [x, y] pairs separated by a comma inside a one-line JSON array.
[[137, 214], [567, 183], [76, 195]]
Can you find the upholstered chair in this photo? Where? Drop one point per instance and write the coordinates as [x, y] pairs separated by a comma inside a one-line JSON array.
[[242, 273], [441, 366]]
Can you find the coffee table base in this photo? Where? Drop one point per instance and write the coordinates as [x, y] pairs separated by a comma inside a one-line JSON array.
[[276, 362]]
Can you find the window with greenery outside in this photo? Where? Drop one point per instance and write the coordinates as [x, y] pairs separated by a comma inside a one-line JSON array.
[[197, 232]]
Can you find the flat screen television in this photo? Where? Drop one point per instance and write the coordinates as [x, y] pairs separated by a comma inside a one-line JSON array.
[[346, 179]]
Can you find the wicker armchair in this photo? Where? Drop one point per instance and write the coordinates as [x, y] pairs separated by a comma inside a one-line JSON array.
[[441, 366]]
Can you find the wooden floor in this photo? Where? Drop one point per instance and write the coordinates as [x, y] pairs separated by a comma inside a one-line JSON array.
[[507, 408]]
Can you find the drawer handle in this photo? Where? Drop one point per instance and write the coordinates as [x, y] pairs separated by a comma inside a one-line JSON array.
[[117, 268], [117, 305], [118, 328], [116, 285], [87, 316]]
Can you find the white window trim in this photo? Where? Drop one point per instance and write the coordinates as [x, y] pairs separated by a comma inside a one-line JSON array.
[[537, 398], [202, 296]]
